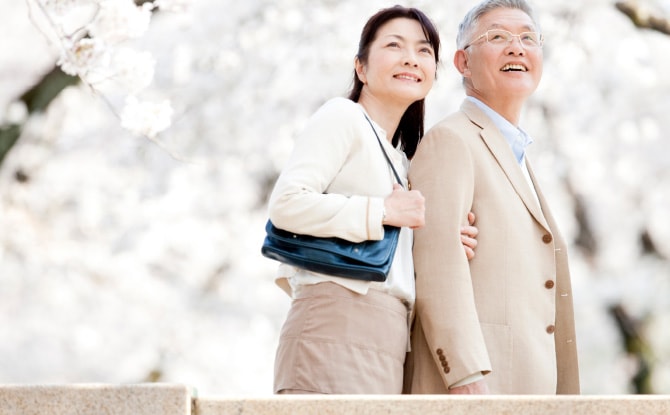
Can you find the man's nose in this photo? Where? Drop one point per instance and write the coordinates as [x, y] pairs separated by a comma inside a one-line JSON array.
[[516, 47]]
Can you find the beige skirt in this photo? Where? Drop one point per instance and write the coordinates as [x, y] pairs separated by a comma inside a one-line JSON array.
[[335, 341]]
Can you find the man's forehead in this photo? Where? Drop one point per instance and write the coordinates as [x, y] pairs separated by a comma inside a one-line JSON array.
[[503, 18]]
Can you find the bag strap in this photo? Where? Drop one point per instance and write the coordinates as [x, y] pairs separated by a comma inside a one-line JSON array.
[[388, 160]]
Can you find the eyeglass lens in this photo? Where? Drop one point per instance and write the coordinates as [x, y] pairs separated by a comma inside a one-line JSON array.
[[499, 37]]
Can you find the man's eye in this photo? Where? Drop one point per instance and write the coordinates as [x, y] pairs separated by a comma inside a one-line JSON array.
[[529, 37]]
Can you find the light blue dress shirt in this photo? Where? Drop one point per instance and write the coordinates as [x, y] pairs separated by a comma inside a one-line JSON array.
[[517, 138]]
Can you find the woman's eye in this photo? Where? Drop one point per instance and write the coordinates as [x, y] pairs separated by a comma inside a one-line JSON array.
[[393, 45]]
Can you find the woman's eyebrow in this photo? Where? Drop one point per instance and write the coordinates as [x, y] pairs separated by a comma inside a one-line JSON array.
[[400, 37]]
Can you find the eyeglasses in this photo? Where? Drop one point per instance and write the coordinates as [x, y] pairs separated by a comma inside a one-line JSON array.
[[499, 37]]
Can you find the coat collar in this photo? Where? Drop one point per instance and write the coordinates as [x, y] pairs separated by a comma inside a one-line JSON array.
[[501, 151]]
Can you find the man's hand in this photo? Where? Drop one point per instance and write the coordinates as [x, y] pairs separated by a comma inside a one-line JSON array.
[[475, 388]]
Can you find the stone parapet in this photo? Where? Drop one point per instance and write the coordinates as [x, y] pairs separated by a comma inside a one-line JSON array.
[[95, 399], [437, 405], [174, 399]]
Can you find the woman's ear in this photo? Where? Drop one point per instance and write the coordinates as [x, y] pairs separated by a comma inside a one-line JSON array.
[[360, 70], [462, 63]]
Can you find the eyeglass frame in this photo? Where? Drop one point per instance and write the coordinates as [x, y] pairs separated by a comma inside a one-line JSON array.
[[540, 38]]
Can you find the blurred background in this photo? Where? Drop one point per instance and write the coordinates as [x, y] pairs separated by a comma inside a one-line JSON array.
[[129, 258]]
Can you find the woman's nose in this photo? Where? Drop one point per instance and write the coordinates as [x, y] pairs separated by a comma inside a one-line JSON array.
[[410, 59]]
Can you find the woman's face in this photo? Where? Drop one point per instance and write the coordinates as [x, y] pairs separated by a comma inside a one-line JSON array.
[[401, 63]]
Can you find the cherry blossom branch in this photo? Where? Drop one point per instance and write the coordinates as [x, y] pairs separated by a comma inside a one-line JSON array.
[[643, 17], [96, 54]]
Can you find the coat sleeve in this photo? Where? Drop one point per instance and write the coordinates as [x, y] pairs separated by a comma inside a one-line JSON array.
[[300, 201], [443, 170]]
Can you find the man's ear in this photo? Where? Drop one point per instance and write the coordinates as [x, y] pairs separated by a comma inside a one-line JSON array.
[[462, 63], [360, 70]]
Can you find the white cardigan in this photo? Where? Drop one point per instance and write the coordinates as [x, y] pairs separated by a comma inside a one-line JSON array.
[[334, 184]]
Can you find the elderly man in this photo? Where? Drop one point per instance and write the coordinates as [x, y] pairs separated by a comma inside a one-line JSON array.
[[504, 322]]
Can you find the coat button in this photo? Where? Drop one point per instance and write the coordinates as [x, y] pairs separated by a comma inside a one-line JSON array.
[[549, 284], [439, 351], [447, 369], [551, 329], [443, 358], [547, 239]]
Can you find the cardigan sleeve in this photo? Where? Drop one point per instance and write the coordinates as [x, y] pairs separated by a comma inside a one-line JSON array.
[[329, 151]]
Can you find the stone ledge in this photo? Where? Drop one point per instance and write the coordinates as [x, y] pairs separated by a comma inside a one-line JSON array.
[[174, 399], [95, 399], [437, 405]]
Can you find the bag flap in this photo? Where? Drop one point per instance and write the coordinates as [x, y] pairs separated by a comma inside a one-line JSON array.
[[374, 252]]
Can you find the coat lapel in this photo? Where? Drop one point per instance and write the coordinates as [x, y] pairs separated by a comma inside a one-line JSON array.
[[544, 208], [503, 154]]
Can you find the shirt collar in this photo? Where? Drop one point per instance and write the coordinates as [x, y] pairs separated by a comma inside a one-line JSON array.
[[517, 138]]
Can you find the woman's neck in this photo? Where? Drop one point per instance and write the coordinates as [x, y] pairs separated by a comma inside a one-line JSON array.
[[384, 114]]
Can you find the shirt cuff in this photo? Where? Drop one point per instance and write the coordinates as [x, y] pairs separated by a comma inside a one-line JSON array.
[[469, 379]]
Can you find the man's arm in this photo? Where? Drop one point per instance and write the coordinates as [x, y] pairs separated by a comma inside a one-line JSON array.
[[443, 171]]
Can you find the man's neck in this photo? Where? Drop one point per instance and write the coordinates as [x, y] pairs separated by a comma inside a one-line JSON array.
[[510, 109]]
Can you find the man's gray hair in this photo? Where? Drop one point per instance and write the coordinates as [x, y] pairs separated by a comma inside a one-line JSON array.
[[472, 17]]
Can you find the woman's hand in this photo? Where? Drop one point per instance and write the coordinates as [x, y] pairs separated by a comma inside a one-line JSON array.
[[408, 208], [405, 208], [468, 237]]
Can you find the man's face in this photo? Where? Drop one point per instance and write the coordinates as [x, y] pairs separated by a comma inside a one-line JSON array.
[[502, 71]]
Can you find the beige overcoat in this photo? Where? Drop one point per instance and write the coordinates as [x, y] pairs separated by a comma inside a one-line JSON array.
[[509, 312]]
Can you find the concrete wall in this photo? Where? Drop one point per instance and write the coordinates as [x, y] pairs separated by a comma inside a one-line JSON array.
[[167, 399]]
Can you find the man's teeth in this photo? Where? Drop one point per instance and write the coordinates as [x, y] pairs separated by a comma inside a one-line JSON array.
[[508, 68]]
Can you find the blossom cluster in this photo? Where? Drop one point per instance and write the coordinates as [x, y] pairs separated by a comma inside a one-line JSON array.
[[94, 37]]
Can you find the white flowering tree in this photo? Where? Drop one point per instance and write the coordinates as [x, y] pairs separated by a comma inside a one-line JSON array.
[[95, 41], [121, 261]]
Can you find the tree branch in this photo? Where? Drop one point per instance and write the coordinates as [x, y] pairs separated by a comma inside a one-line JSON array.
[[642, 17]]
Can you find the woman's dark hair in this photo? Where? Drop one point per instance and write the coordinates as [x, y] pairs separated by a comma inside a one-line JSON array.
[[410, 128]]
